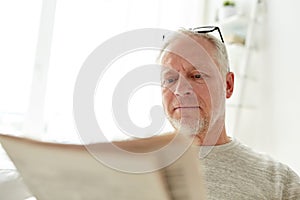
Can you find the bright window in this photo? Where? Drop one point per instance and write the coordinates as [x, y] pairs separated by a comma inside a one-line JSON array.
[[19, 32]]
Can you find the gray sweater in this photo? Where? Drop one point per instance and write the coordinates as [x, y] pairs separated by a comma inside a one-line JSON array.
[[234, 171]]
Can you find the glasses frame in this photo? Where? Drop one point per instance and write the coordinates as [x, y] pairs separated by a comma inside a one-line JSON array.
[[212, 29]]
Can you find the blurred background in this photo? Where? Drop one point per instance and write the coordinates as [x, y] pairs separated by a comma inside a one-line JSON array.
[[44, 43]]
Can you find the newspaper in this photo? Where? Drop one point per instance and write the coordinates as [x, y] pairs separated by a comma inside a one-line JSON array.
[[54, 171]]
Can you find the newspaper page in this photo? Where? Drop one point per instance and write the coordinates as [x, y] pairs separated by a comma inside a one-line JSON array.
[[66, 171]]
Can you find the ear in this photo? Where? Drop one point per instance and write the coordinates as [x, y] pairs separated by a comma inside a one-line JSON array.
[[229, 84]]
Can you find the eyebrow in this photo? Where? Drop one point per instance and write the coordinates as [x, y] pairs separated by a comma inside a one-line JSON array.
[[202, 69], [174, 72], [168, 71]]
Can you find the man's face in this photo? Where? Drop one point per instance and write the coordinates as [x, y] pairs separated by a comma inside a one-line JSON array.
[[188, 87]]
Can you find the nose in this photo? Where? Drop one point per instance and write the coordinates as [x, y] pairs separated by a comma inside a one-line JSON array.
[[183, 87]]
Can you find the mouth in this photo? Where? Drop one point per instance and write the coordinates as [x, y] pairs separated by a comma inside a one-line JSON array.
[[186, 107]]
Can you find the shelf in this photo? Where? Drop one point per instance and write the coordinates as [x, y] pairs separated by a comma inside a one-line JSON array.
[[234, 28], [237, 20]]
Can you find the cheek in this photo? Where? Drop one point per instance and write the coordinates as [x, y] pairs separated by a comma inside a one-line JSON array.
[[215, 94], [203, 96], [167, 97]]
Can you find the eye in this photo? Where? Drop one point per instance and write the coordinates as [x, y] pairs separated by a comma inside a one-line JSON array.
[[169, 80], [197, 76]]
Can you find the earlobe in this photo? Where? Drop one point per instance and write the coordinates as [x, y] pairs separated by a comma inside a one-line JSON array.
[[229, 84]]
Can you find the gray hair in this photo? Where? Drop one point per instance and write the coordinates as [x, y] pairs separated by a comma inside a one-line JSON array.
[[220, 55]]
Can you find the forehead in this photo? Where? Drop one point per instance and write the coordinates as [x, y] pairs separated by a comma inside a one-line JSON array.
[[193, 53]]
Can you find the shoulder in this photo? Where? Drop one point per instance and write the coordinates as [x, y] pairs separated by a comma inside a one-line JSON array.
[[239, 157], [285, 181], [262, 160], [246, 169]]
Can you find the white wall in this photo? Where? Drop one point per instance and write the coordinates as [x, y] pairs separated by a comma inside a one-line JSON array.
[[273, 128], [284, 42]]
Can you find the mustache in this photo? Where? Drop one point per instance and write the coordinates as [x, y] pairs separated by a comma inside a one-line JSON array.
[[186, 103]]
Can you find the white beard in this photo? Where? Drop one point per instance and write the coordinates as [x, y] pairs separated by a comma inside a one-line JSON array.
[[191, 127]]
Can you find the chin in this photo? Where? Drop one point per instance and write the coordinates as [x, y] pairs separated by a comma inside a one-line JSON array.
[[190, 127]]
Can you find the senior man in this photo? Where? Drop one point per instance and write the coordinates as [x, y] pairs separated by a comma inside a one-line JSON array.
[[196, 81]]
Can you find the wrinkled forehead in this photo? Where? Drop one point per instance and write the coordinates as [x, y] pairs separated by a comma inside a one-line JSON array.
[[198, 52]]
